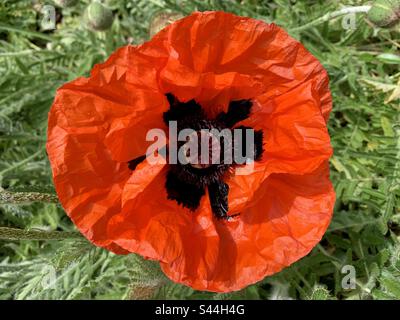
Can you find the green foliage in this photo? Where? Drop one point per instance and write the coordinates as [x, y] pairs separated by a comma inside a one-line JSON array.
[[363, 65]]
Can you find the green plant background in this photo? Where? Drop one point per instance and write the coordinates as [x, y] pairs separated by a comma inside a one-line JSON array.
[[363, 64]]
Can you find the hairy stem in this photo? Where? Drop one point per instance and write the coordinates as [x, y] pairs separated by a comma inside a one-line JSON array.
[[21, 163], [332, 15], [20, 234], [26, 197]]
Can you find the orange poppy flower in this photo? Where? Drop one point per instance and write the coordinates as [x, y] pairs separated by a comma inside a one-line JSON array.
[[210, 228]]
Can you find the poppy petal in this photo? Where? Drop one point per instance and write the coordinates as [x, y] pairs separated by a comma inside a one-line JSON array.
[[296, 141], [147, 223], [201, 47], [286, 221], [296, 137], [124, 91], [97, 134], [87, 180], [243, 181], [83, 143], [218, 57]]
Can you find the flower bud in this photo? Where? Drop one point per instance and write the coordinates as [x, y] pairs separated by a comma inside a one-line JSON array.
[[384, 13], [98, 17]]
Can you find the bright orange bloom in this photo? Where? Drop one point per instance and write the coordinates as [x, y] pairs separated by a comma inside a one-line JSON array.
[[214, 62]]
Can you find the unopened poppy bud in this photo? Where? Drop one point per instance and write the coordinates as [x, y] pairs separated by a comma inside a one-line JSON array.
[[65, 3], [384, 13], [98, 17]]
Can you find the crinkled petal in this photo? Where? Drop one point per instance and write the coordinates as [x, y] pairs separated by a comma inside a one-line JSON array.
[[87, 180], [243, 182], [217, 57], [123, 91], [93, 123], [97, 125], [296, 139], [288, 219], [149, 223]]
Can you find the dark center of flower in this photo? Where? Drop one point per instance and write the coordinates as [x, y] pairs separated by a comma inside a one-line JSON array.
[[207, 161], [201, 158]]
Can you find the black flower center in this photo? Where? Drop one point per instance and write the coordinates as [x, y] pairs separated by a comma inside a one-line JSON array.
[[206, 140], [186, 182]]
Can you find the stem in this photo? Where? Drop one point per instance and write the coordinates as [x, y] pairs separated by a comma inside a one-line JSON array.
[[26, 197], [333, 15], [21, 163], [20, 234], [27, 52], [26, 32]]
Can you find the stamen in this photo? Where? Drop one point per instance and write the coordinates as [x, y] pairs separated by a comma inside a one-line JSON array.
[[186, 183], [202, 177]]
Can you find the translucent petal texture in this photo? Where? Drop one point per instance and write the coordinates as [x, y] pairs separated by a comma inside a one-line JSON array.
[[288, 217], [90, 129], [284, 202]]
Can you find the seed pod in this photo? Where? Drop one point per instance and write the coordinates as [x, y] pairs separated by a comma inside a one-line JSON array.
[[65, 3], [98, 17], [384, 13]]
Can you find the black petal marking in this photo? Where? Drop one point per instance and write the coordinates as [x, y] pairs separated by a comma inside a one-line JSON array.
[[134, 163], [218, 194], [186, 183], [201, 177], [172, 100], [186, 194], [179, 111], [258, 143], [237, 111]]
